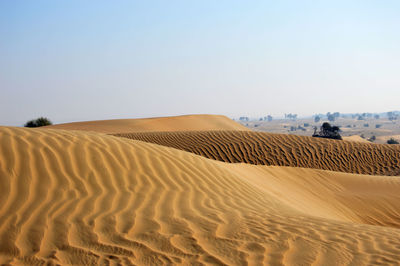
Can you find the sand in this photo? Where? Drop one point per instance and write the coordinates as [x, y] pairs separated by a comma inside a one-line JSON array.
[[176, 123], [356, 138], [282, 150], [74, 198]]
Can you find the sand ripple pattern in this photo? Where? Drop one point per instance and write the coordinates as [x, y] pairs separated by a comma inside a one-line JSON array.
[[76, 198], [262, 148]]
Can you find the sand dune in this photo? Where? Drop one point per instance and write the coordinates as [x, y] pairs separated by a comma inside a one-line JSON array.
[[355, 138], [283, 150], [78, 198], [176, 123], [384, 139]]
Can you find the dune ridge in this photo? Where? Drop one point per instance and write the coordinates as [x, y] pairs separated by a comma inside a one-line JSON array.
[[78, 198], [173, 123], [262, 148]]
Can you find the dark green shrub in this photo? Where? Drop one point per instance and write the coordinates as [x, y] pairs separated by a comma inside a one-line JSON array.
[[327, 131], [392, 141], [39, 122]]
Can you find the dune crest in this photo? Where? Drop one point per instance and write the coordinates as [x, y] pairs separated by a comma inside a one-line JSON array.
[[72, 197], [173, 123], [282, 150]]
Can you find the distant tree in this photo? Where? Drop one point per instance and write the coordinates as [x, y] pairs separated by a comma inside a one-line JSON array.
[[376, 116], [39, 122], [317, 118], [269, 118], [378, 125], [243, 118], [301, 128], [392, 141], [291, 116], [366, 125], [327, 131], [306, 124], [328, 114], [331, 117], [336, 114], [391, 116]]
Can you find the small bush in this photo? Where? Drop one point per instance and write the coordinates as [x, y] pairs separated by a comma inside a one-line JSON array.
[[366, 125], [39, 122], [378, 125], [392, 141], [306, 124], [372, 139], [327, 131]]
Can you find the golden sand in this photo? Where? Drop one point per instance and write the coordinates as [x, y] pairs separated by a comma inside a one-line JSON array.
[[176, 123], [69, 197], [281, 149]]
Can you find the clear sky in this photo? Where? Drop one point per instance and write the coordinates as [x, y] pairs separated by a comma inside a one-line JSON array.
[[90, 60]]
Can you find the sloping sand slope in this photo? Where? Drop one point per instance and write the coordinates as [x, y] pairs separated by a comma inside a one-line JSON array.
[[283, 150], [85, 198], [175, 123], [355, 138]]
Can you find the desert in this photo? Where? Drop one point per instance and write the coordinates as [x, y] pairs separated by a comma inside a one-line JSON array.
[[84, 197], [237, 133]]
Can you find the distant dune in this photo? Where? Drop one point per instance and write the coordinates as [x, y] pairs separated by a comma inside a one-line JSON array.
[[355, 138], [175, 123], [283, 150], [83, 198]]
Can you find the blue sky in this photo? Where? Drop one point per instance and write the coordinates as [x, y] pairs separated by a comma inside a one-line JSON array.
[[89, 60]]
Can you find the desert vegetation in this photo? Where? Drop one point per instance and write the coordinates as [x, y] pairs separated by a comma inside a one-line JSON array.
[[327, 131], [39, 122], [392, 141]]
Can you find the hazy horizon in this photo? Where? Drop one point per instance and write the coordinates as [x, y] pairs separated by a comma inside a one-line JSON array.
[[95, 60]]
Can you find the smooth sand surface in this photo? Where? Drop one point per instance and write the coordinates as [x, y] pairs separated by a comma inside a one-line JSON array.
[[175, 123], [84, 198], [355, 138], [384, 139], [283, 150]]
